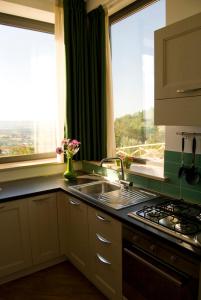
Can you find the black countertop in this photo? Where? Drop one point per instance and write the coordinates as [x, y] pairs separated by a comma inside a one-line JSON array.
[[46, 184]]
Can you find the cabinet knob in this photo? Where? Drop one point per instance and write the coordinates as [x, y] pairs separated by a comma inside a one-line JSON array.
[[102, 259], [180, 91], [102, 239], [101, 218], [73, 202]]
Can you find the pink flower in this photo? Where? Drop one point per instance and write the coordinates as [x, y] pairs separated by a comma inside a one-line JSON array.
[[65, 141], [75, 142], [68, 147], [59, 150]]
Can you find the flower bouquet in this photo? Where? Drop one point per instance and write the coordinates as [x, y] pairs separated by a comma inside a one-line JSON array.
[[69, 148]]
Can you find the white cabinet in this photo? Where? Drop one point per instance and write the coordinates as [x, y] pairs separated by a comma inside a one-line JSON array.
[[78, 234], [178, 73], [15, 251], [105, 253], [43, 227], [92, 241], [63, 222]]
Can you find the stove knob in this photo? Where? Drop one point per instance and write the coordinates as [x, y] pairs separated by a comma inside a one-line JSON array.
[[173, 258], [152, 248]]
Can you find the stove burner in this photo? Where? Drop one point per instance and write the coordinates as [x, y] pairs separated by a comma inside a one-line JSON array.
[[186, 228], [180, 208], [152, 214], [175, 215]]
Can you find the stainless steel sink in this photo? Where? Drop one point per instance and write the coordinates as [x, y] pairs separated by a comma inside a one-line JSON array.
[[113, 195], [96, 188]]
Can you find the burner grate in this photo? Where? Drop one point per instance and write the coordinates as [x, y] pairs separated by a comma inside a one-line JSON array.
[[175, 215]]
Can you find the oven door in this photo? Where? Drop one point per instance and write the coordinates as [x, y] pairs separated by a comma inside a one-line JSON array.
[[146, 278]]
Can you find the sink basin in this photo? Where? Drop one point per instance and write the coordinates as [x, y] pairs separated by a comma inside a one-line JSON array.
[[112, 195], [96, 188]]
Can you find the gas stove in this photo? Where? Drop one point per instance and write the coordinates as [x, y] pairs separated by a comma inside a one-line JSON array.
[[175, 217]]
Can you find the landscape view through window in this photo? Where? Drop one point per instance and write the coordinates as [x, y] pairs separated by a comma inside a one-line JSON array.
[[132, 42], [28, 92]]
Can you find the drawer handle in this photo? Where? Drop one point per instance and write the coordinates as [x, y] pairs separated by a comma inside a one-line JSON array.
[[102, 259], [101, 218], [102, 239], [188, 90], [74, 202]]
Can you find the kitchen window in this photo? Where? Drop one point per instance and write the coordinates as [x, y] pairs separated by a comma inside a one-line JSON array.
[[132, 43], [28, 101]]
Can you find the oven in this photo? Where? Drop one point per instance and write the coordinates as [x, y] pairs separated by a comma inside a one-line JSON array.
[[155, 271]]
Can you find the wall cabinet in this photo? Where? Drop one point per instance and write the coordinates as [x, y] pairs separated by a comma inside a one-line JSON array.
[[43, 227], [15, 251], [178, 73]]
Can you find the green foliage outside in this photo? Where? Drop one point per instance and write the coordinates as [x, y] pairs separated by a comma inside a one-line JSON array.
[[17, 150], [137, 136]]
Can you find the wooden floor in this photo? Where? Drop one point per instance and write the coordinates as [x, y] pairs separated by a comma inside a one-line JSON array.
[[60, 282]]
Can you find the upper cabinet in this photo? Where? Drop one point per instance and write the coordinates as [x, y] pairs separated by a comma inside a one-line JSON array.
[[178, 73]]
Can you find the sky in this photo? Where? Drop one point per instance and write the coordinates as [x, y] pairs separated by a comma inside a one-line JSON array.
[[27, 75], [133, 59]]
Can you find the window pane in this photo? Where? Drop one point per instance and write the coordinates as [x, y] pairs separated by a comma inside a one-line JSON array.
[[28, 92], [133, 83]]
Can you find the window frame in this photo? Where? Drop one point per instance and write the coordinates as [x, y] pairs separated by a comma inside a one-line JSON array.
[[129, 10], [120, 15], [35, 25]]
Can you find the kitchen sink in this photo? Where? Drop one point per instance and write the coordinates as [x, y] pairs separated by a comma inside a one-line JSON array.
[[113, 195], [96, 188]]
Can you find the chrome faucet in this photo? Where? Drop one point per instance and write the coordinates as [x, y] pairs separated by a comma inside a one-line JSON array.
[[116, 158]]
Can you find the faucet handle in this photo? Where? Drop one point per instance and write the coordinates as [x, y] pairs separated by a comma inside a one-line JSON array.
[[126, 183]]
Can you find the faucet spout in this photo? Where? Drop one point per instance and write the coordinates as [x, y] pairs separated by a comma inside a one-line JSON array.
[[114, 158]]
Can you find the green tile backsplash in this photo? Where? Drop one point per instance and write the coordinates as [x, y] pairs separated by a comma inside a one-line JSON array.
[[174, 187]]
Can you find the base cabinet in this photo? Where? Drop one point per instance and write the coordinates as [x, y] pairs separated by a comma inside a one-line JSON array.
[[28, 233], [105, 253], [43, 228], [92, 241], [15, 251], [73, 231]]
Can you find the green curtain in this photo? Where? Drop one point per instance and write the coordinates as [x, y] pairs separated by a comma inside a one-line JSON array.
[[97, 81], [86, 108]]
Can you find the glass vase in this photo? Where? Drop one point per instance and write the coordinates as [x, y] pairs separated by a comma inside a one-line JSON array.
[[69, 174]]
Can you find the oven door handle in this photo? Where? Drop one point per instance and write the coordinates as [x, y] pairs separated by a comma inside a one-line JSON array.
[[154, 268]]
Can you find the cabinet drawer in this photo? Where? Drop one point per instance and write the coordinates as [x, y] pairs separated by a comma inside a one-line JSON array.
[[107, 276], [110, 251], [105, 225]]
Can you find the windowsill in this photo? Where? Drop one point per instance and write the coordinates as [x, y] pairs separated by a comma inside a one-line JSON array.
[[29, 163], [148, 171]]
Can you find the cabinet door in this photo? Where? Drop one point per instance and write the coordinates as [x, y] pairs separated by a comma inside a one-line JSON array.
[[78, 234], [15, 251], [44, 228], [63, 221], [177, 59]]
